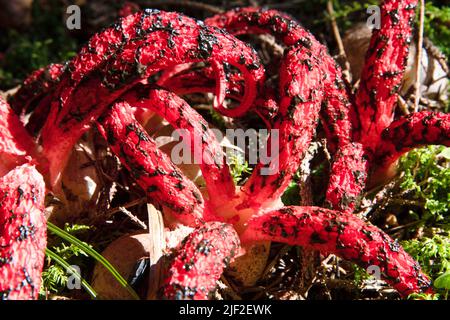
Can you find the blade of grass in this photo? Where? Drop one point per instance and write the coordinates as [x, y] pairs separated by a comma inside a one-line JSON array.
[[94, 254], [69, 268]]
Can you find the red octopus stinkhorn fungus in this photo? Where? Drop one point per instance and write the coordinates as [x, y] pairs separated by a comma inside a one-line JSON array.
[[113, 75]]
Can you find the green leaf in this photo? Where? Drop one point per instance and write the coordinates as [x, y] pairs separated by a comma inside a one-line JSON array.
[[443, 282], [445, 153], [94, 254], [239, 168], [52, 255], [291, 197], [423, 296], [433, 254]]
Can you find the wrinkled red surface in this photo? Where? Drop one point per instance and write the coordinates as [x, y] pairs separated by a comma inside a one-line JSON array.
[[37, 84], [200, 262], [22, 221], [152, 168], [383, 70], [413, 131], [22, 233], [15, 143], [336, 105], [180, 115], [302, 93], [342, 234], [347, 178], [336, 109]]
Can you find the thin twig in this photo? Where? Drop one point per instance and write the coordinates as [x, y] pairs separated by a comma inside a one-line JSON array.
[[403, 226], [405, 202], [340, 44], [403, 105], [228, 288], [270, 41], [130, 204], [156, 234], [306, 196], [254, 3], [437, 54], [133, 218], [274, 261], [419, 55]]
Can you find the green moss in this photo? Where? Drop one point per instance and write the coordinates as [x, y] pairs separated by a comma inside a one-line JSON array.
[[426, 178], [423, 296], [239, 169], [46, 41], [54, 276], [347, 12], [359, 275], [217, 119], [437, 25], [433, 255]]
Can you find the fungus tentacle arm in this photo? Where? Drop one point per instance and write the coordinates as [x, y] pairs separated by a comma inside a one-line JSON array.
[[190, 81], [203, 143], [336, 113], [16, 146], [348, 177], [344, 235], [22, 221], [302, 92], [22, 233], [413, 131], [151, 168], [200, 262], [34, 87], [383, 70]]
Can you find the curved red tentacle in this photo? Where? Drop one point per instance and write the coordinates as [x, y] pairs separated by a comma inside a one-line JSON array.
[[336, 113], [412, 131], [302, 93], [194, 81], [16, 146], [383, 71], [153, 170], [376, 97], [221, 91], [348, 177], [344, 235], [33, 96], [337, 107], [114, 69], [181, 80], [180, 115], [171, 72], [200, 262], [151, 42], [22, 233], [37, 84], [186, 81]]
